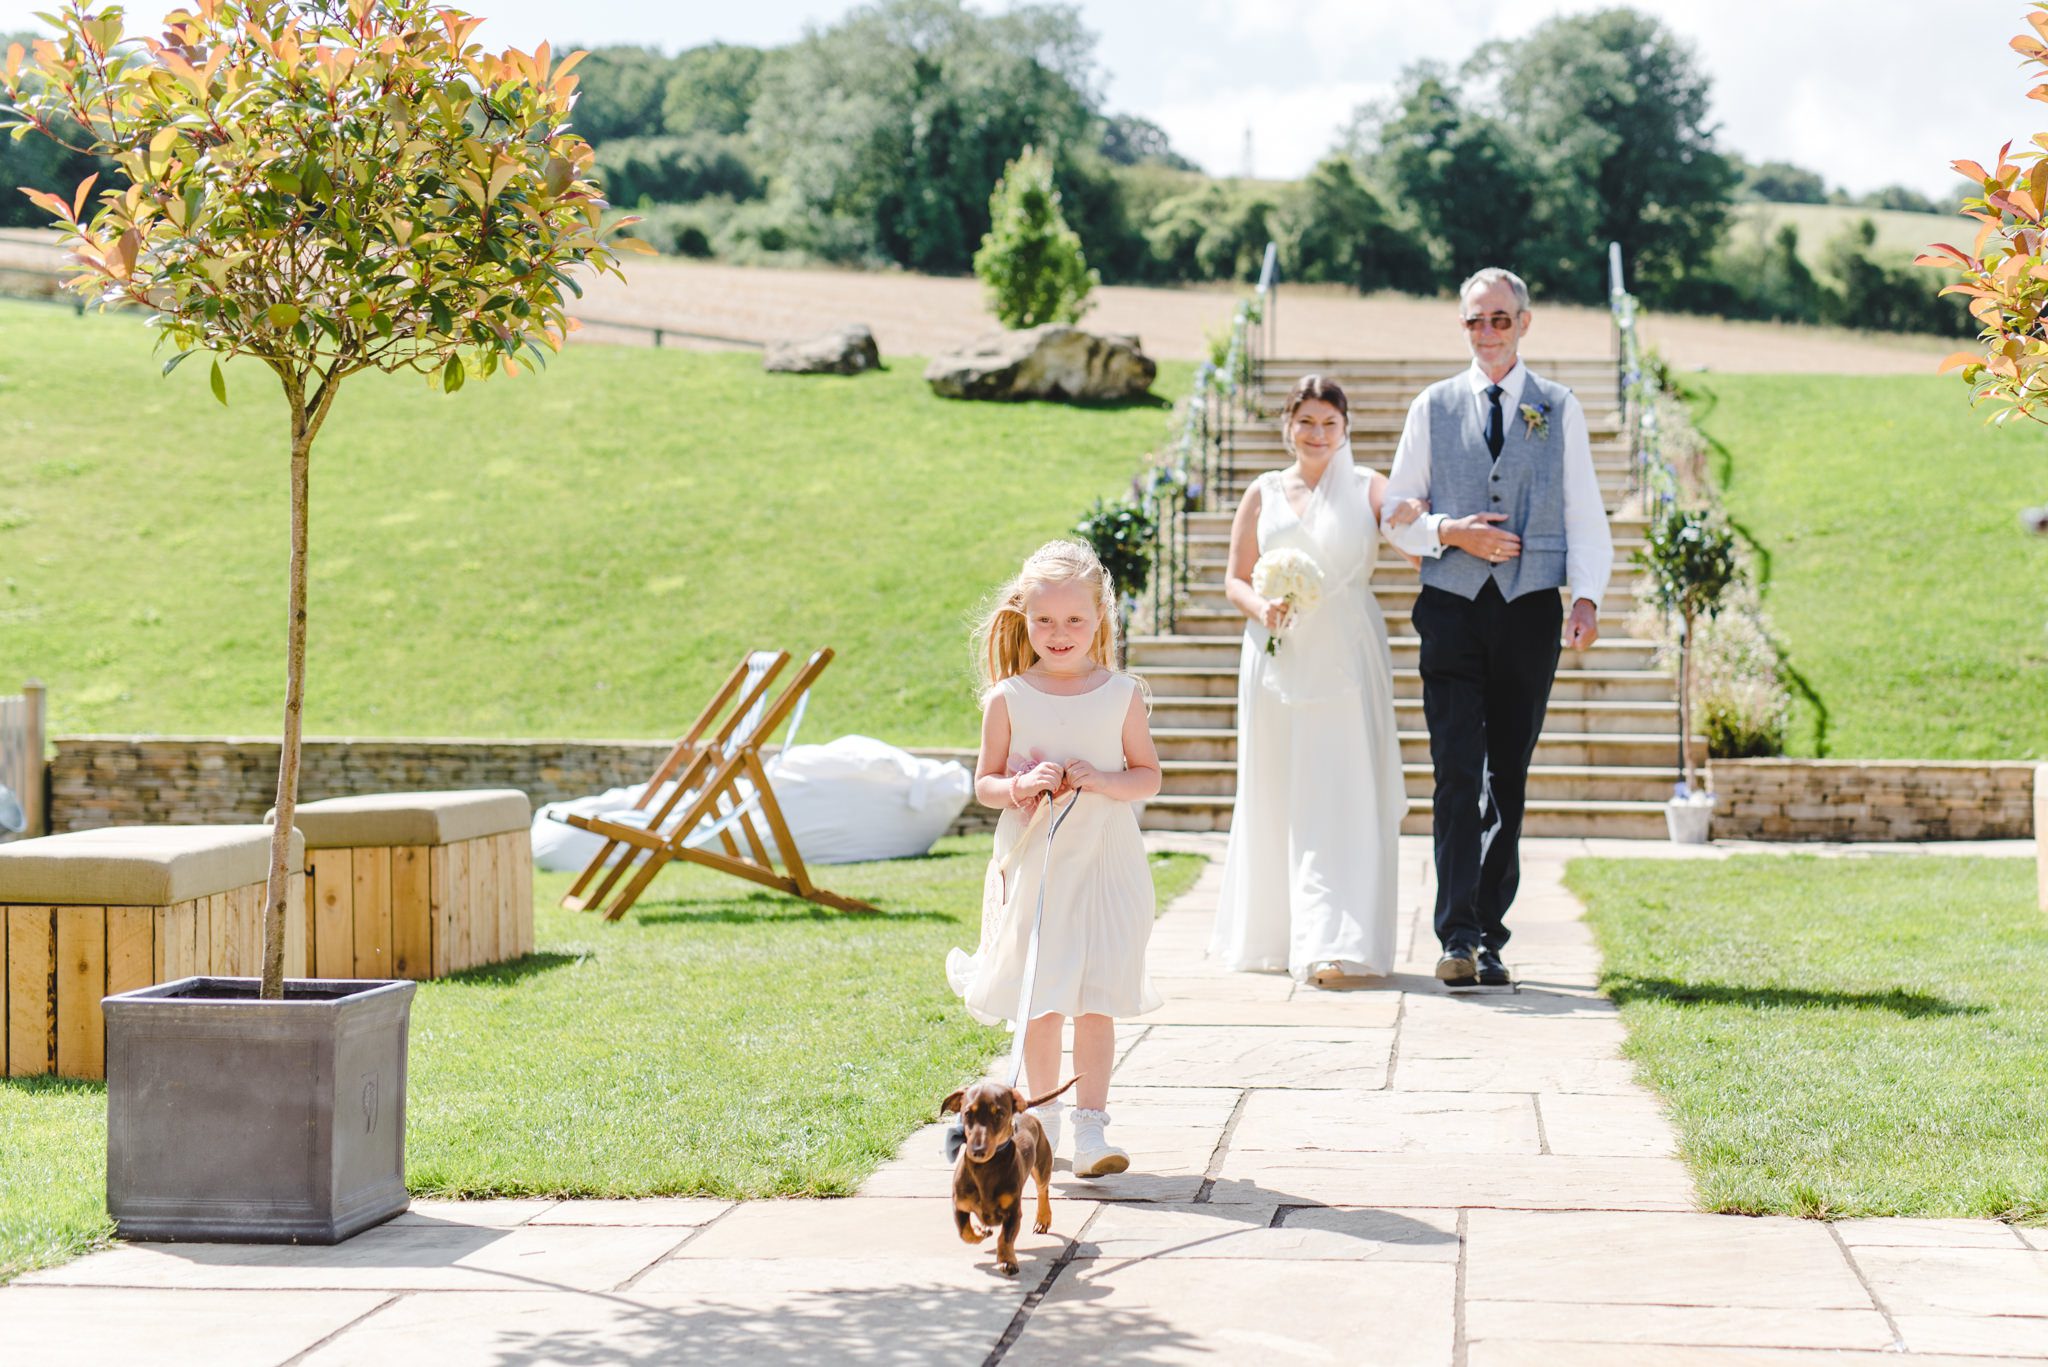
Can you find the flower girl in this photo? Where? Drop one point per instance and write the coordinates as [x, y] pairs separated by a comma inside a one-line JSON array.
[[1061, 723]]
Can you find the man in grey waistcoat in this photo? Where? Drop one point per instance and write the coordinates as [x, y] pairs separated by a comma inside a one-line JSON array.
[[1502, 458]]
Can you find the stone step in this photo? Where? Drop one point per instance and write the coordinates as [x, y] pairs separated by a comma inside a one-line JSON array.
[[1584, 819], [1396, 598], [1212, 525], [1615, 652], [1193, 619], [1547, 783], [1586, 749], [1395, 569], [1197, 697]]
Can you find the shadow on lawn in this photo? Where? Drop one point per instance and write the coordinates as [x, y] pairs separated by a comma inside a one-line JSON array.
[[1623, 989], [767, 908], [514, 970]]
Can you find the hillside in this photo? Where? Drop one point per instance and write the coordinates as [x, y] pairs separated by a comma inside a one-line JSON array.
[[1900, 236]]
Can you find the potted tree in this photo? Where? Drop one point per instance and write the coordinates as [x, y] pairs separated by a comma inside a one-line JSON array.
[[1691, 560], [320, 188]]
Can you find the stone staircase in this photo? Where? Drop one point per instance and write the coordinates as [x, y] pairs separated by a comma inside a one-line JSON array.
[[1608, 756]]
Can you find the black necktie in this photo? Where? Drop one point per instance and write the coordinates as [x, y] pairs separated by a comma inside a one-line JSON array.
[[1495, 438]]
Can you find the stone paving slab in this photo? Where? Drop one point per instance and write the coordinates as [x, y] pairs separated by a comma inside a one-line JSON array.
[[1503, 1353], [1386, 1122], [1542, 1182], [1599, 1257], [166, 1328], [1211, 1231], [1958, 1281], [1591, 1126], [907, 1324], [1165, 1311], [1201, 1056], [1898, 1233], [1523, 1322], [391, 1257], [1990, 1335]]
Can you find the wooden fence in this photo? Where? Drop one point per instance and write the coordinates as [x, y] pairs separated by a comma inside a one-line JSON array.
[[22, 767]]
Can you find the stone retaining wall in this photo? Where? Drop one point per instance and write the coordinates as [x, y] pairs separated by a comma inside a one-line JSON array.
[[127, 780], [1807, 799]]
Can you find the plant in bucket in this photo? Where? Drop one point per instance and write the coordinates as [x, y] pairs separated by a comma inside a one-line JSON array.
[[1291, 578], [1691, 560]]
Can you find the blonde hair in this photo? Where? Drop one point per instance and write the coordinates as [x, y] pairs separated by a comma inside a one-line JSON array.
[[1003, 640]]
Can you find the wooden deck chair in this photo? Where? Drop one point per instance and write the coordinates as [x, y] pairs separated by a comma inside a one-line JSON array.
[[713, 783]]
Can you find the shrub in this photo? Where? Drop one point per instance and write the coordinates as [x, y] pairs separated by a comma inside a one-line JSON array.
[[1121, 534], [1030, 259]]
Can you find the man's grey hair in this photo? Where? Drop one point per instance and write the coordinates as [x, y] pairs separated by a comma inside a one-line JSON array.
[[1494, 275]]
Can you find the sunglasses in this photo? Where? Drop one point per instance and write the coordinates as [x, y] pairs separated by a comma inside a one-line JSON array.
[[1499, 322]]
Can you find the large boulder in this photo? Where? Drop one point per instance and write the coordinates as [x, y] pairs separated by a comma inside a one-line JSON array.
[[843, 351], [1050, 362]]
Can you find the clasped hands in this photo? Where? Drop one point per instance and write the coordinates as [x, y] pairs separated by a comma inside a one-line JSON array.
[[1031, 780]]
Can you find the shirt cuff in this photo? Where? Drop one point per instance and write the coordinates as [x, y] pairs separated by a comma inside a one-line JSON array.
[[1588, 595]]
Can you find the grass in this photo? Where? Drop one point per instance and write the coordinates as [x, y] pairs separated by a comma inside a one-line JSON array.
[[1838, 1037], [1901, 235], [719, 1041], [581, 553], [1884, 516]]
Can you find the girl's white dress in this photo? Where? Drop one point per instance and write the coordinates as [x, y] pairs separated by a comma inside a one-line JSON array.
[[1099, 902], [1308, 876]]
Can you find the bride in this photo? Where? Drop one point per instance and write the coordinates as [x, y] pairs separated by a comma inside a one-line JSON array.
[[1308, 880]]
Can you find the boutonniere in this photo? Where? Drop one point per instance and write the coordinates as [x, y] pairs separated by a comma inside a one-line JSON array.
[[1536, 421]]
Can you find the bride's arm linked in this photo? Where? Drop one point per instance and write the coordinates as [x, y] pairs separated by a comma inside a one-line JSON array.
[[1244, 553], [1405, 512]]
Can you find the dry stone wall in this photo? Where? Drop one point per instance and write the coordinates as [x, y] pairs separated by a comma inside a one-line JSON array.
[[1804, 799], [128, 780]]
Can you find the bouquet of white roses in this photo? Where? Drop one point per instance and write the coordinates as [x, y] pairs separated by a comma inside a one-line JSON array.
[[1290, 577]]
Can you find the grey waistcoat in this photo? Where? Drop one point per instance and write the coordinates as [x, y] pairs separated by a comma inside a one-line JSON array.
[[1527, 484]]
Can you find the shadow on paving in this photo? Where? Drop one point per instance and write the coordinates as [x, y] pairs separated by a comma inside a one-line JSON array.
[[1898, 1001], [906, 1324]]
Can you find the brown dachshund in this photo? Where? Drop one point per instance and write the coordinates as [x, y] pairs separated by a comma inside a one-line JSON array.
[[1001, 1144]]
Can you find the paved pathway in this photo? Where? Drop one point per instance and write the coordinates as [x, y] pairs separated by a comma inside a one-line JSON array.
[[1388, 1175]]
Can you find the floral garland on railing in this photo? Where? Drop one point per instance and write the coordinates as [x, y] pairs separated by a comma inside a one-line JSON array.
[[1654, 477]]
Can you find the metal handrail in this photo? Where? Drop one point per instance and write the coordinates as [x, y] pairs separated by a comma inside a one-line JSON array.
[[1650, 473], [1200, 458]]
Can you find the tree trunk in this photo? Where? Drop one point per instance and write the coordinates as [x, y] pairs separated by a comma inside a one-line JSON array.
[[279, 885]]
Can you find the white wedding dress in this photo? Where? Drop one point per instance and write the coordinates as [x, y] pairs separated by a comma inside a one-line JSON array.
[[1309, 874]]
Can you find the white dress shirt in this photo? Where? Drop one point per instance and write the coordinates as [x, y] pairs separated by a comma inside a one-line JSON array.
[[1589, 545]]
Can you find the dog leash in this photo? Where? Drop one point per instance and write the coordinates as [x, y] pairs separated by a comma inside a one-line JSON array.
[[956, 1133]]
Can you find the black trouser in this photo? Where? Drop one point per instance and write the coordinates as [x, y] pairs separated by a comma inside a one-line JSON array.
[[1487, 666]]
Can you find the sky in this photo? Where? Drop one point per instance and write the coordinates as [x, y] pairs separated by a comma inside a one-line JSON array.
[[1869, 94]]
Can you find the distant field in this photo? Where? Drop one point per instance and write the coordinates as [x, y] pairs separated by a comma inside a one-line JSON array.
[[1900, 236], [1899, 576], [579, 553]]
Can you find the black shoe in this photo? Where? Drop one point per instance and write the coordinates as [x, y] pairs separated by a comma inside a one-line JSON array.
[[1459, 962], [1492, 972]]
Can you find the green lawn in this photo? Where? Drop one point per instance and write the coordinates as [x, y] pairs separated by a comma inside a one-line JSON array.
[[579, 553], [1886, 519], [718, 1041], [1838, 1036]]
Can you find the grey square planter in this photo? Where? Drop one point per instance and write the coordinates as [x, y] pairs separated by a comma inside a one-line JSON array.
[[235, 1119]]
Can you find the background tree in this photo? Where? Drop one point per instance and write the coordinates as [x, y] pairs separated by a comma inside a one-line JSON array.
[[1128, 140], [622, 90], [1615, 106], [712, 89], [1030, 259], [321, 188], [1780, 182], [888, 129], [1335, 230]]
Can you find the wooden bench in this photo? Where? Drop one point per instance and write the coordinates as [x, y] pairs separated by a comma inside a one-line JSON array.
[[91, 913], [418, 885]]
